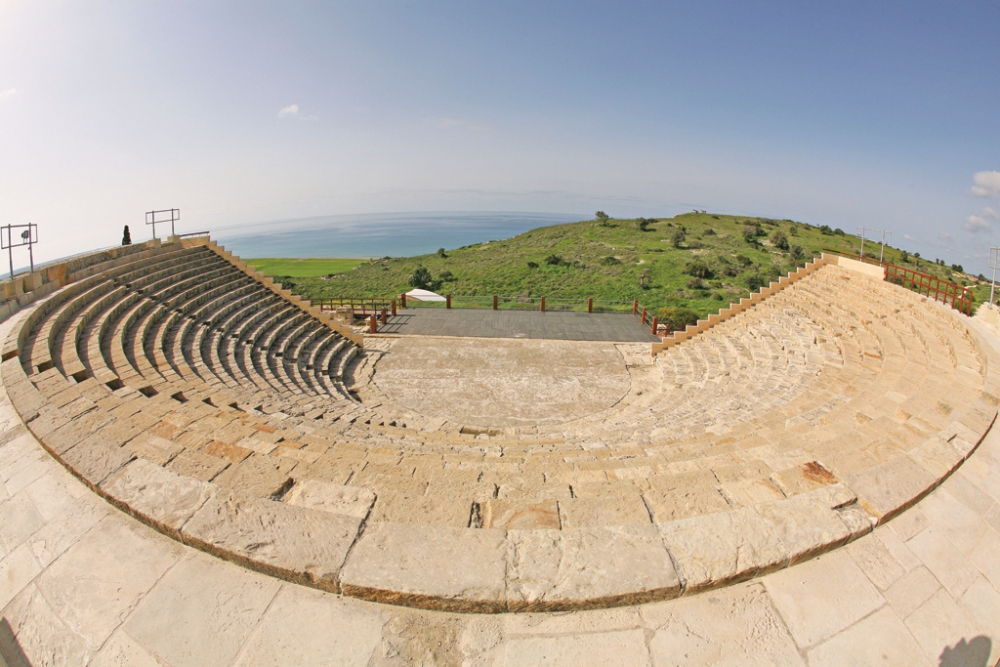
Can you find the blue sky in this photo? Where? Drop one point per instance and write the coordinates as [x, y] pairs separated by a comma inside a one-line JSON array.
[[847, 113]]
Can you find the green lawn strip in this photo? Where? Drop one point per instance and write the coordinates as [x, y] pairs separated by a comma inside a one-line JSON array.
[[607, 263], [303, 268]]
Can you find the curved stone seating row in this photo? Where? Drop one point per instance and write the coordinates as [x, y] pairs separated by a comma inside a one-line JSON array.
[[290, 478]]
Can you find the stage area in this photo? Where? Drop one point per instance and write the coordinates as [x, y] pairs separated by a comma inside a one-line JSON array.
[[552, 325]]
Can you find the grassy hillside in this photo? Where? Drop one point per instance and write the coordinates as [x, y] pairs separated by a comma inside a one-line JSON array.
[[695, 260]]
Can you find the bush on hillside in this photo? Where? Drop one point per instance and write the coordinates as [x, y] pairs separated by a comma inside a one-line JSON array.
[[779, 240], [678, 238], [421, 278], [698, 269], [755, 281], [798, 253], [676, 318], [610, 261]]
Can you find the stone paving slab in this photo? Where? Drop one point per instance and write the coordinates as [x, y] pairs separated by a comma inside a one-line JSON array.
[[550, 325]]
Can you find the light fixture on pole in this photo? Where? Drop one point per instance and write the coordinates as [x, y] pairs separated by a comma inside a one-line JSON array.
[[883, 232], [170, 215], [28, 236]]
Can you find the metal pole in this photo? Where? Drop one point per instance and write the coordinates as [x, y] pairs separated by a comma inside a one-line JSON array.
[[10, 252], [862, 243], [882, 254]]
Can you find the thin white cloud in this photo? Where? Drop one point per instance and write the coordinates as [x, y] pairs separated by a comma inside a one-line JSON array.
[[293, 111], [10, 92], [980, 221], [945, 236], [908, 237], [987, 184]]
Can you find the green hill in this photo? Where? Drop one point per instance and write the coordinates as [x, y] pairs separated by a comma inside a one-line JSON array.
[[696, 260]]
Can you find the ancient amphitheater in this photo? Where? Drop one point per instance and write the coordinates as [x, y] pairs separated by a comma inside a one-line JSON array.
[[809, 479]]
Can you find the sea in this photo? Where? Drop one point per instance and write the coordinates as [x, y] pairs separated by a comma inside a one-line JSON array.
[[380, 234]]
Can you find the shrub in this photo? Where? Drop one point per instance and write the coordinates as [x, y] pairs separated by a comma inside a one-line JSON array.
[[730, 271], [709, 231], [698, 269], [696, 283], [602, 218], [779, 240], [554, 260], [957, 267], [749, 234], [644, 223], [441, 253], [532, 265], [755, 281], [904, 256], [838, 231], [421, 278], [744, 260], [798, 252], [678, 238], [825, 230], [677, 318], [718, 296], [446, 275], [610, 261]]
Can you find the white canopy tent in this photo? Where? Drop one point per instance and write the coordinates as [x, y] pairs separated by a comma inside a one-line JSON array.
[[424, 295]]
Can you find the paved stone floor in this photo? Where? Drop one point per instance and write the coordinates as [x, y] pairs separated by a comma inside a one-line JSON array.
[[504, 382], [551, 325], [83, 584]]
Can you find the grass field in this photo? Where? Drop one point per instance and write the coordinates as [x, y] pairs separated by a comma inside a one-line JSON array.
[[699, 261], [303, 268]]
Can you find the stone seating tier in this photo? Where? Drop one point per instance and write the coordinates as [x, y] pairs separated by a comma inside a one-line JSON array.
[[232, 420]]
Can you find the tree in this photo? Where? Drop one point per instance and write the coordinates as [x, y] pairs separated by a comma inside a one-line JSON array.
[[441, 253], [421, 278], [644, 223], [904, 256], [602, 218]]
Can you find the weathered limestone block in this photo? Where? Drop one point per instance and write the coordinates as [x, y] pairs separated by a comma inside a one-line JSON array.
[[433, 567], [154, 448], [318, 494], [519, 515], [887, 489], [294, 543], [613, 509], [587, 568], [197, 465], [93, 459], [674, 504], [260, 476], [808, 524], [716, 549], [940, 457], [157, 496]]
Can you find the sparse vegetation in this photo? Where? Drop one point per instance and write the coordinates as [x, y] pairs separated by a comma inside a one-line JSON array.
[[612, 261]]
